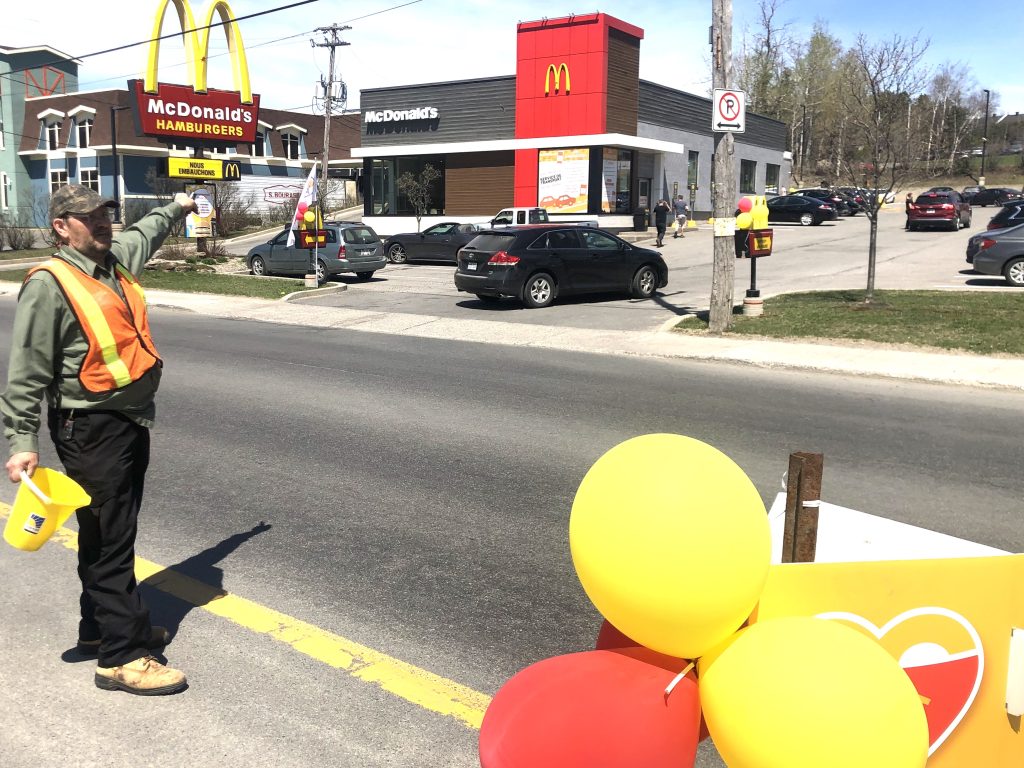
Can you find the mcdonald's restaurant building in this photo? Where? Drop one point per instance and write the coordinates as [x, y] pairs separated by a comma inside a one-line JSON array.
[[55, 134], [575, 131]]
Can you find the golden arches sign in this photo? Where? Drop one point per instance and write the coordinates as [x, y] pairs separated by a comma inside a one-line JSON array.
[[197, 46], [562, 69]]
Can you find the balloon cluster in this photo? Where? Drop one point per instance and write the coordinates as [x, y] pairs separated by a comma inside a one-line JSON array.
[[753, 213], [304, 215], [671, 543]]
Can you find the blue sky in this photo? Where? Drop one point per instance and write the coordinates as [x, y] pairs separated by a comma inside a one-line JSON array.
[[394, 42]]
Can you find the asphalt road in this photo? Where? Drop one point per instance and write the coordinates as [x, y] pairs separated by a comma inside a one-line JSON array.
[[831, 256], [417, 494]]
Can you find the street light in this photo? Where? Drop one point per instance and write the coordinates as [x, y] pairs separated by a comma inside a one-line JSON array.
[[984, 142], [117, 161]]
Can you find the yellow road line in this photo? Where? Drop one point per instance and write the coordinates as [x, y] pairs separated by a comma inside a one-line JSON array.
[[425, 689]]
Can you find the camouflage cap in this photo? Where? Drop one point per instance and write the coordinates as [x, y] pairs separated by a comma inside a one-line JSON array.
[[72, 198]]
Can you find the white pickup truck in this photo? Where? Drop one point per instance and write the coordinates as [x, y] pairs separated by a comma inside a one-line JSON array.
[[512, 216]]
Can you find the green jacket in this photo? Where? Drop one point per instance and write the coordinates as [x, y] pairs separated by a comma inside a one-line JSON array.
[[48, 346]]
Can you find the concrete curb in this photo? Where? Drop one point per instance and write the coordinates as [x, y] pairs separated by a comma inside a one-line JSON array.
[[327, 290]]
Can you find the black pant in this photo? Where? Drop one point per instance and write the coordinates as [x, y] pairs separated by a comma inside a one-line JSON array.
[[107, 454]]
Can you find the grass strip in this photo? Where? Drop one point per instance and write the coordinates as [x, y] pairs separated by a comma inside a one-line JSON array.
[[984, 322]]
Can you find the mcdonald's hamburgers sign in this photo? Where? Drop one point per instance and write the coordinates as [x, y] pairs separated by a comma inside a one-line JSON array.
[[194, 112]]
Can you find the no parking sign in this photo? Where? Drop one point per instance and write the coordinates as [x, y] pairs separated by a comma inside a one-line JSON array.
[[728, 111]]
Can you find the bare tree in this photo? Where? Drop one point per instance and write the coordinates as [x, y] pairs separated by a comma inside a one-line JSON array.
[[883, 79], [763, 68], [416, 188]]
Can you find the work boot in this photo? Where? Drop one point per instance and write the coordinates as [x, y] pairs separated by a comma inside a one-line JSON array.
[[158, 638], [143, 677]]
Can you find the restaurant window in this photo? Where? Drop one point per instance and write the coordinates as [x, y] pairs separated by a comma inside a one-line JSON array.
[[84, 128], [617, 171], [91, 179], [259, 147], [292, 143], [748, 172], [387, 200], [771, 179], [692, 168], [58, 179], [53, 135]]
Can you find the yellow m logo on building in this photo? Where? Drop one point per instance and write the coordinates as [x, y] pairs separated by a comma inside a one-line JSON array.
[[197, 46], [563, 69]]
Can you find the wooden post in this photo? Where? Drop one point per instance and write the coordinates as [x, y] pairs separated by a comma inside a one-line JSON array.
[[723, 179], [803, 494]]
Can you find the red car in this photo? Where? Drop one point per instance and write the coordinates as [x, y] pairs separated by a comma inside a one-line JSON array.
[[948, 210], [566, 200]]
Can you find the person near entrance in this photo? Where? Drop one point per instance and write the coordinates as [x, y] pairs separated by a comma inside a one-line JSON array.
[[661, 212], [682, 212], [81, 341]]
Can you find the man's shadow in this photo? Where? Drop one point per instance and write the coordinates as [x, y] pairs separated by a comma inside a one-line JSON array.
[[170, 598], [196, 581]]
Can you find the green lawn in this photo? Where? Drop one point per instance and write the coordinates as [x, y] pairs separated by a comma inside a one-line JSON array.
[[986, 322], [202, 282]]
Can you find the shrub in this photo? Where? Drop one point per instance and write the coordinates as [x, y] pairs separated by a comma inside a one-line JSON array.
[[15, 235]]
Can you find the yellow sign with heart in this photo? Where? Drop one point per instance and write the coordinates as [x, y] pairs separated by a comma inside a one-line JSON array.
[[948, 622]]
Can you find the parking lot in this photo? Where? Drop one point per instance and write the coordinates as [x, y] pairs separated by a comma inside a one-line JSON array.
[[831, 256]]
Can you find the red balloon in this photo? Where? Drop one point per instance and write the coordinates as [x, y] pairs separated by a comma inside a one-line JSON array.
[[610, 637], [596, 709], [302, 208], [745, 205]]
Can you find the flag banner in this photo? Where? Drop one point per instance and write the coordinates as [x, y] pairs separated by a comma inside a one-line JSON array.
[[306, 204]]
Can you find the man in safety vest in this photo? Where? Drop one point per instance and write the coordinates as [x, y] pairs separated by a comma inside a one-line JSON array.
[[81, 339]]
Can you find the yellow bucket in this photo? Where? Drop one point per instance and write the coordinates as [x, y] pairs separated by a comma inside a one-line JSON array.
[[44, 503]]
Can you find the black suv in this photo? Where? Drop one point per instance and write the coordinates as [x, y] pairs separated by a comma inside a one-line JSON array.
[[536, 263], [1010, 215]]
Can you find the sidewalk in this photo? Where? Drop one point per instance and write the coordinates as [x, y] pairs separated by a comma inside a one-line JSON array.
[[850, 359]]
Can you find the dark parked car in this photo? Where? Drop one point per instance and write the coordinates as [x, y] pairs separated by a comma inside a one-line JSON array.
[[838, 201], [537, 263], [440, 242], [856, 197], [1010, 215], [939, 209], [805, 210], [969, 193], [995, 196], [351, 247], [999, 252]]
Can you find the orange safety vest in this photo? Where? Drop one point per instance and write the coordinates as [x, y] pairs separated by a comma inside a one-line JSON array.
[[121, 347]]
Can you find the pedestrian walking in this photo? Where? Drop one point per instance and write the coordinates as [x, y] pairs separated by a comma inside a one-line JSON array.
[[908, 202], [682, 211], [81, 341], [661, 212]]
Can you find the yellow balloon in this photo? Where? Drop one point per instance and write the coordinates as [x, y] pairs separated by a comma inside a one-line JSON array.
[[309, 217], [670, 541], [759, 213], [744, 220], [801, 692]]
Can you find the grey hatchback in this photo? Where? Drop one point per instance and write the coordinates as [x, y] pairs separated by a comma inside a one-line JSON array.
[[999, 252], [351, 247]]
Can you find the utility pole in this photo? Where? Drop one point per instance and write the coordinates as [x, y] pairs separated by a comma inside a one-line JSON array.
[[984, 143], [330, 41], [724, 187]]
